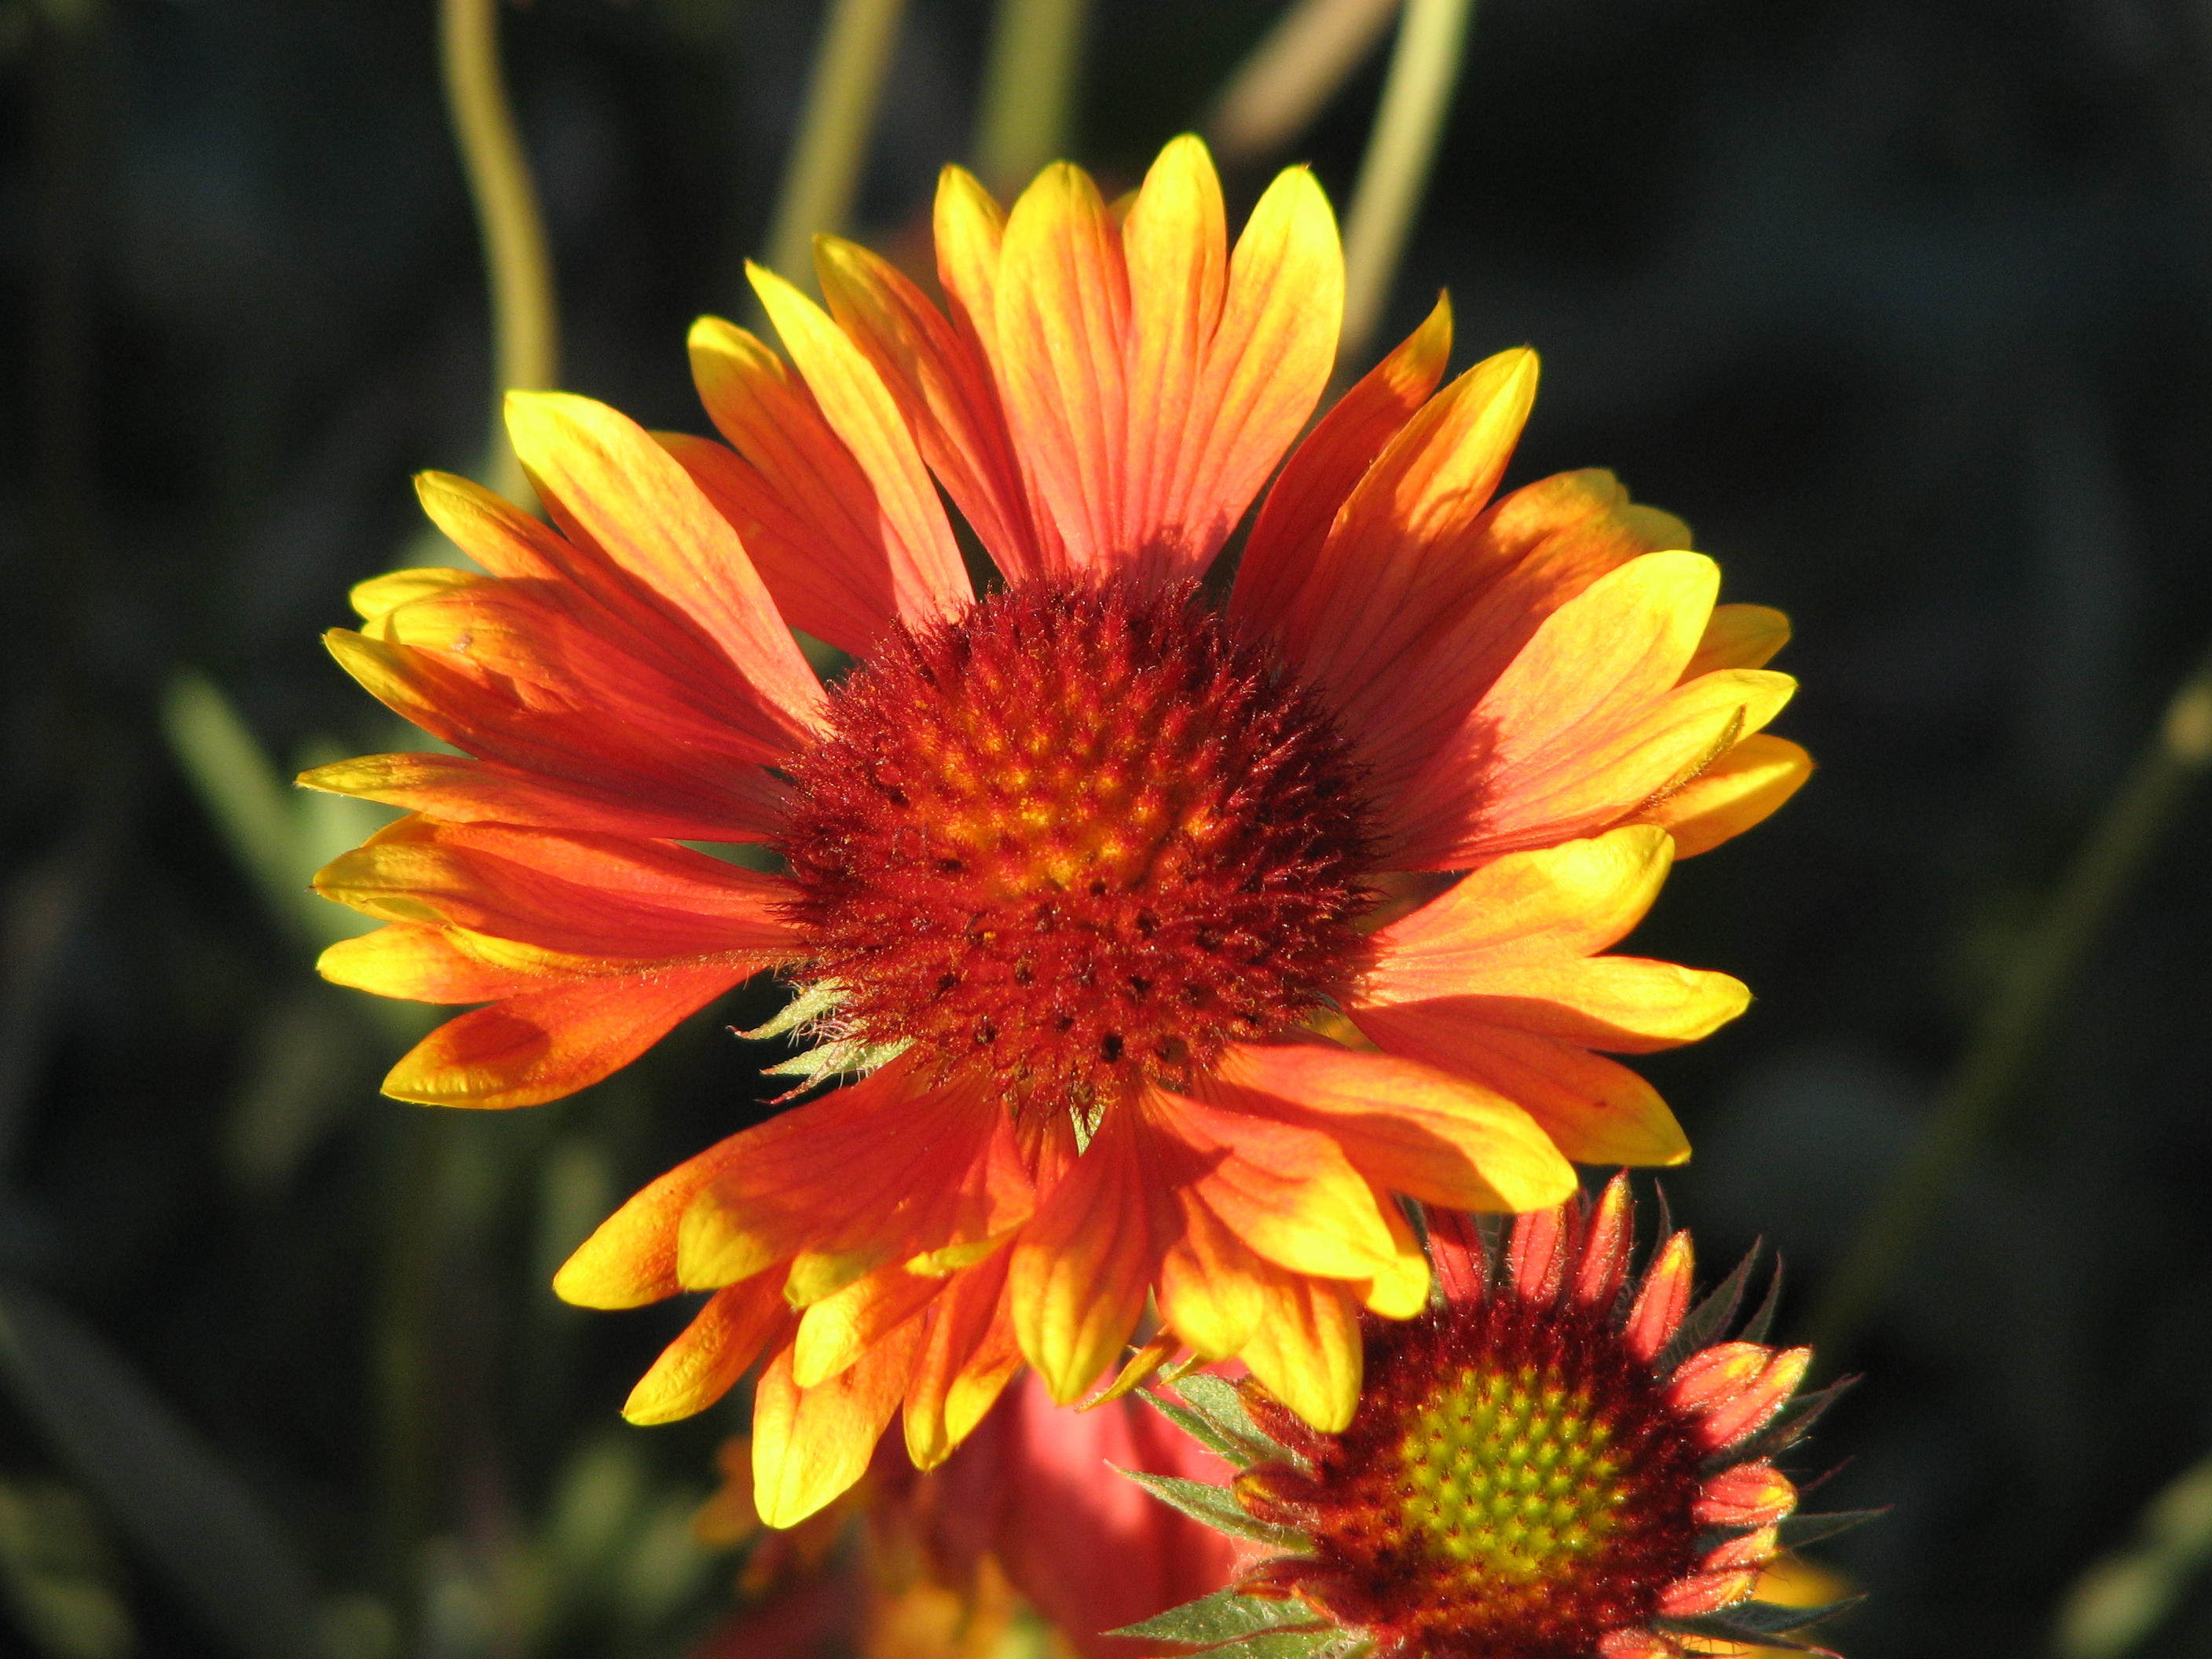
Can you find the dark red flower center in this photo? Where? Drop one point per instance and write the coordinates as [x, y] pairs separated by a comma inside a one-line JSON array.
[[1514, 1486], [1076, 839]]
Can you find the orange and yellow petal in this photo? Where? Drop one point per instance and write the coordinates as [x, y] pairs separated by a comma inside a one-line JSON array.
[[629, 1260], [1306, 1348], [461, 789], [705, 1361], [1286, 1188], [606, 481], [545, 1045], [1739, 637], [1151, 377], [970, 234], [527, 673], [1294, 520], [1528, 555], [1395, 571], [943, 387], [1510, 945], [811, 1444], [969, 1355], [1409, 1128], [1594, 1110], [1062, 321], [1589, 722], [594, 896], [836, 1329], [1224, 364], [1566, 902], [579, 578], [1080, 1270], [1743, 788], [802, 505], [1213, 1287], [881, 1171]]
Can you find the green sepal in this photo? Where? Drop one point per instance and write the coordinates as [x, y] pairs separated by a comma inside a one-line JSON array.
[[811, 1002], [1759, 1623], [846, 1054], [1756, 1327], [1216, 1507], [1227, 1615], [1199, 1428], [1797, 1530], [1703, 1325], [1222, 1404], [1328, 1643]]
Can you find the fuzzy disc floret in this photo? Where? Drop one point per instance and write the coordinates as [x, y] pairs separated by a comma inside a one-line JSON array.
[[1076, 839]]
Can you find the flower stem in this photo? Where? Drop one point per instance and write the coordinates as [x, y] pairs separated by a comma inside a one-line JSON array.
[[517, 266], [2012, 1030], [1424, 67], [824, 168], [1028, 89], [1290, 76]]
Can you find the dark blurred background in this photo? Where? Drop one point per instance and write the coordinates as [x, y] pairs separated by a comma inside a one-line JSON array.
[[1905, 305]]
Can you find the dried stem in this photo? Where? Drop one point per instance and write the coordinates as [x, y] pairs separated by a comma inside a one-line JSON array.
[[1290, 76]]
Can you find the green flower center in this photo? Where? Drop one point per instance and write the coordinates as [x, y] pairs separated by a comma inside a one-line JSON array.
[[1512, 1472]]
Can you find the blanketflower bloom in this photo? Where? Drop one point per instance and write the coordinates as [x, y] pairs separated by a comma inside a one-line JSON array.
[[1555, 1460], [1041, 1494], [1172, 937]]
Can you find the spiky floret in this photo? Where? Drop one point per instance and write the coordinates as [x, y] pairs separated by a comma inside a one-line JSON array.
[[1076, 839], [1553, 1461]]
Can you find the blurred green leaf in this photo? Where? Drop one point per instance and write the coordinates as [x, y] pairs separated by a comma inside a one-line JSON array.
[[57, 1573], [251, 803], [2125, 1596], [301, 1076], [192, 1517]]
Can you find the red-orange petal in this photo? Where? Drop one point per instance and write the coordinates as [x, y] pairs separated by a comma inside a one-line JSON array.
[[702, 1364], [590, 896], [1062, 333], [462, 789], [668, 762], [810, 1445], [1663, 1300], [604, 479], [1746, 1495], [1595, 1111], [1286, 539], [944, 386], [546, 1044], [1081, 1268]]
